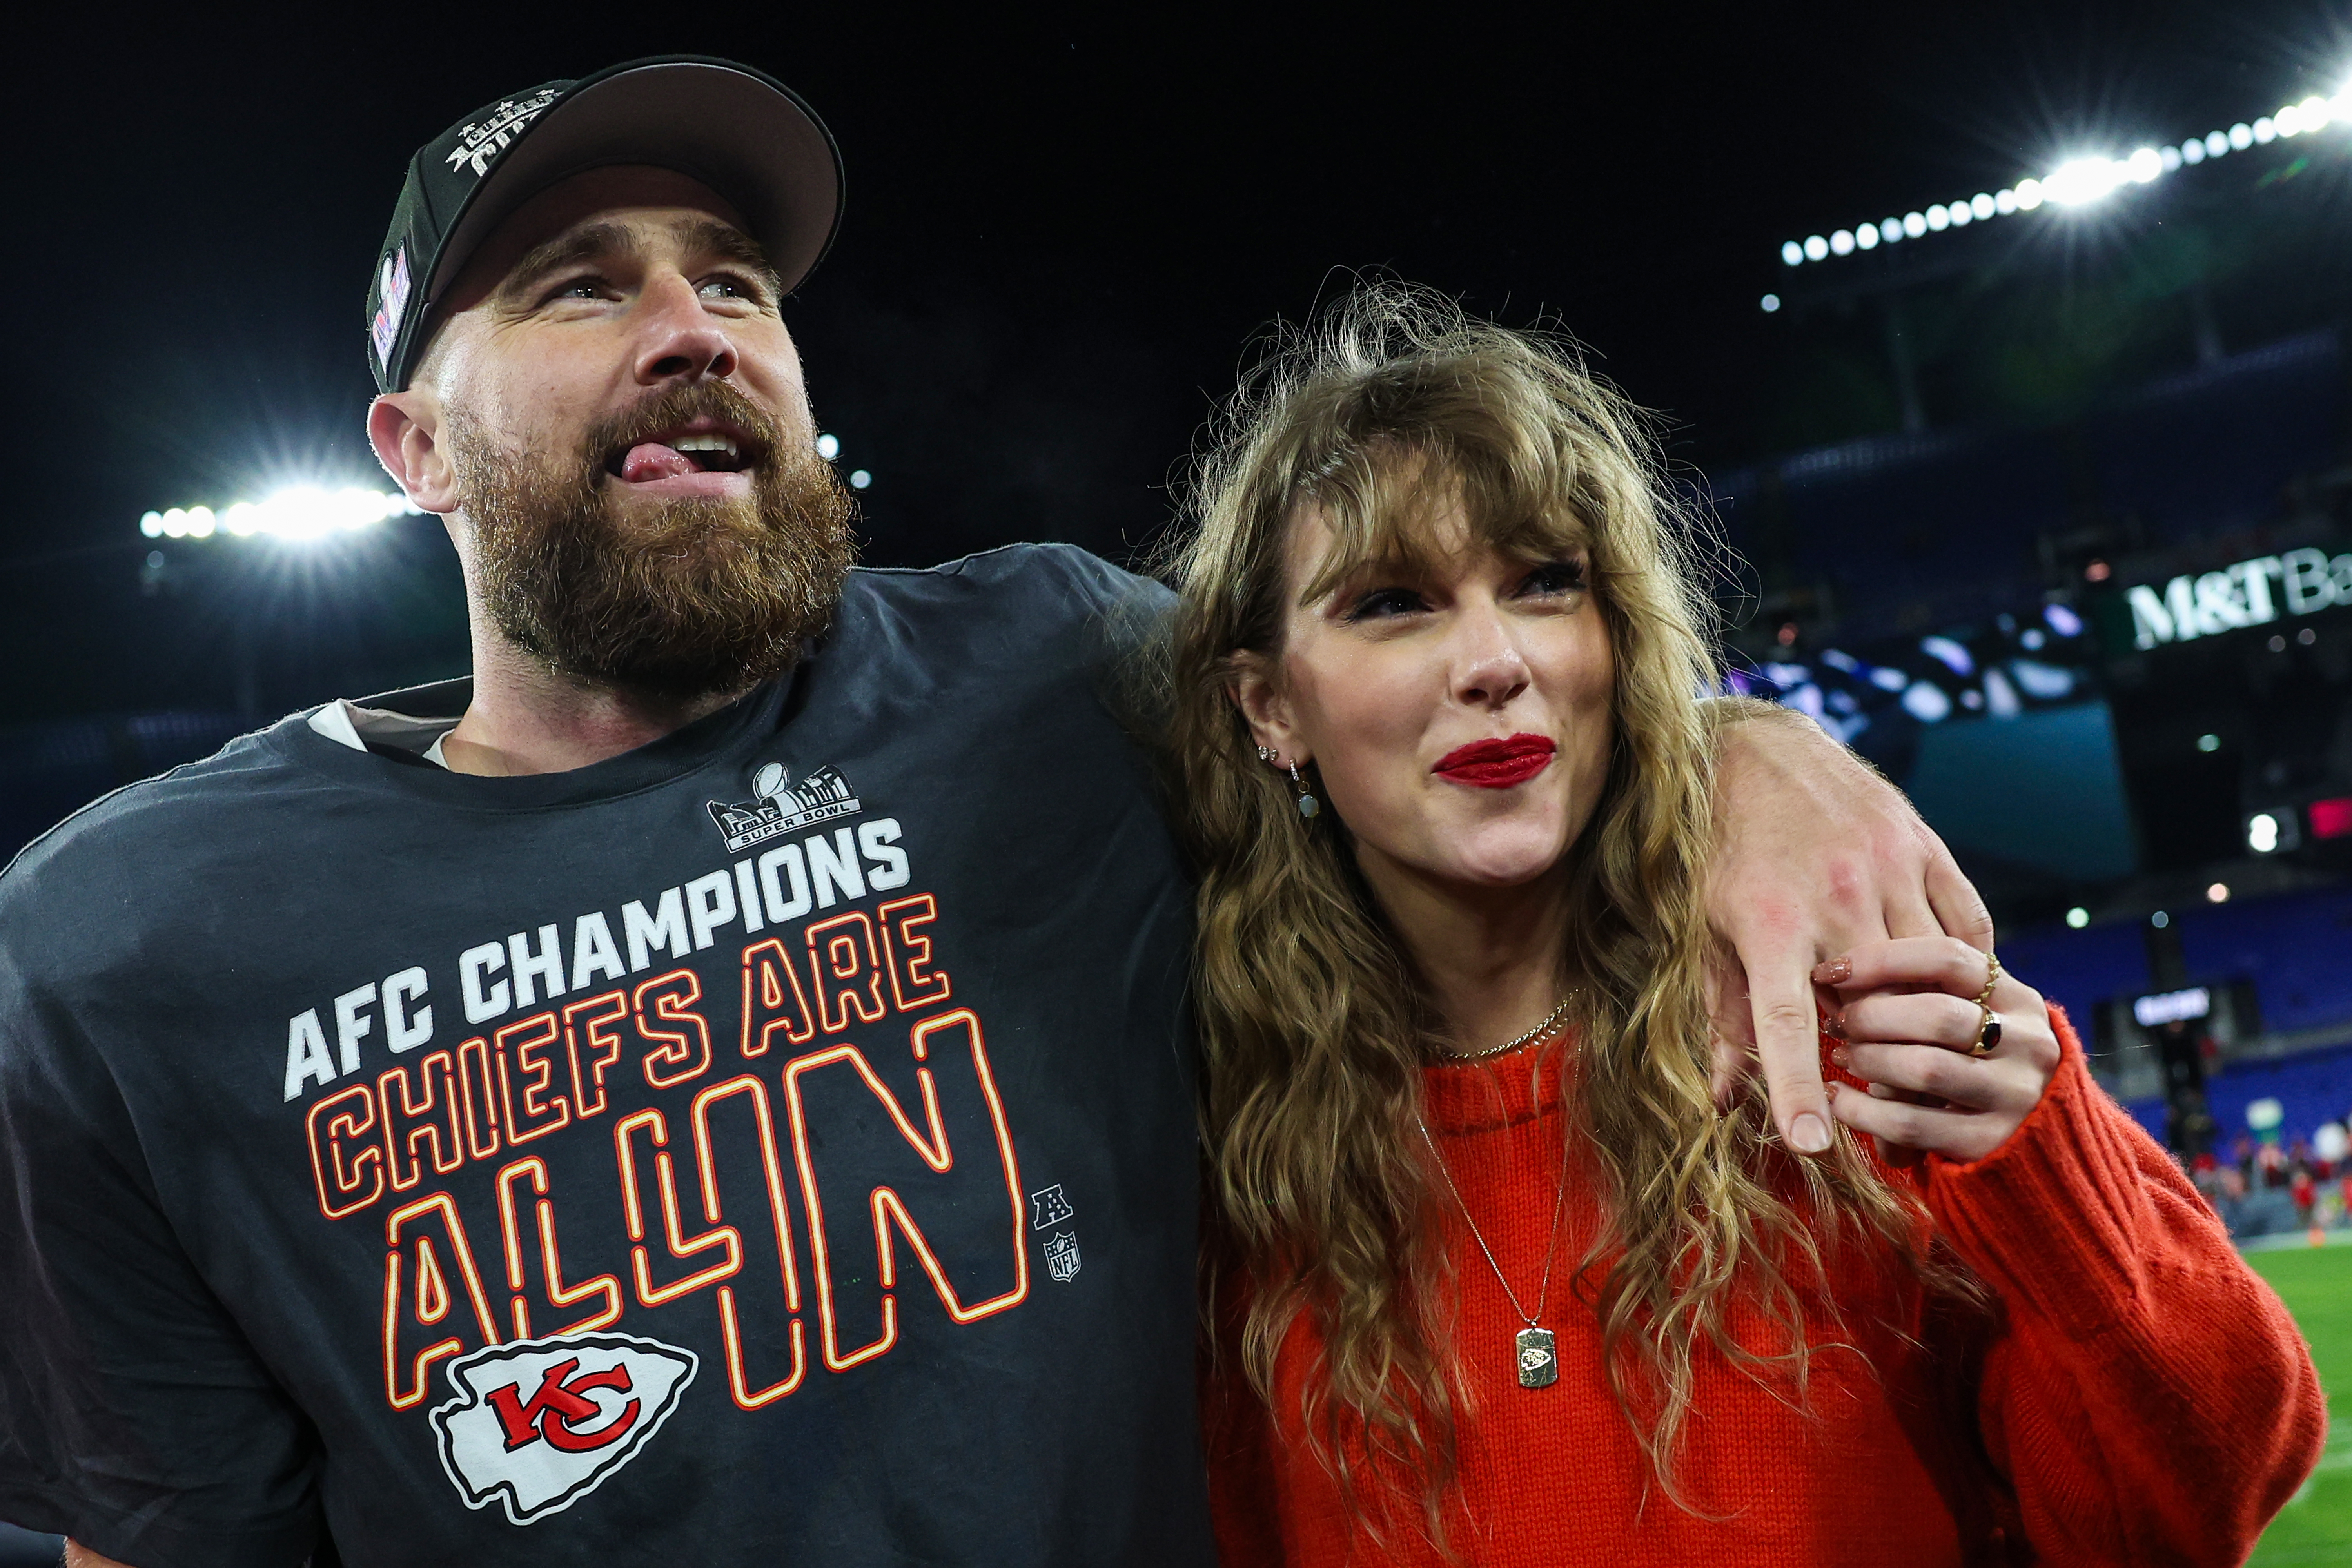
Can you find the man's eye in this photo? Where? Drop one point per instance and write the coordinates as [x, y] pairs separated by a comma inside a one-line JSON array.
[[728, 289], [1385, 603], [1555, 577], [577, 289]]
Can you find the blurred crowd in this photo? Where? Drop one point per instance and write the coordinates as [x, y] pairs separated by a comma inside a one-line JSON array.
[[2267, 1186]]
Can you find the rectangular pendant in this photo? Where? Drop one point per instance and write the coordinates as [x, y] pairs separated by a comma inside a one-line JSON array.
[[1539, 1358]]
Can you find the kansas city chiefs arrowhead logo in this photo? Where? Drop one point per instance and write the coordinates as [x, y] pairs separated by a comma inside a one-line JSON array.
[[539, 1424]]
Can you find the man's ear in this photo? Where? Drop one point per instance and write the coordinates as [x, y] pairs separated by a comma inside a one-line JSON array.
[[1264, 707], [404, 428]]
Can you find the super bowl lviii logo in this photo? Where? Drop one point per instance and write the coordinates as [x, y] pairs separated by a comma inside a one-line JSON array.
[[780, 807], [539, 1424]]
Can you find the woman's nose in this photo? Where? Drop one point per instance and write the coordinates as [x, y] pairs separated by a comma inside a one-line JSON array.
[[1490, 670]]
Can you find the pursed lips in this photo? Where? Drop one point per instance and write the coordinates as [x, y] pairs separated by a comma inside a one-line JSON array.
[[1496, 763]]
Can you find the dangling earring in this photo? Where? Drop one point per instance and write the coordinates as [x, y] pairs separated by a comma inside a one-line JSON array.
[[1307, 804]]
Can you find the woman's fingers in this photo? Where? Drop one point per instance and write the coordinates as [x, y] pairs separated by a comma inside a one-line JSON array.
[[1943, 962], [1921, 1017], [1947, 1076], [1962, 1135]]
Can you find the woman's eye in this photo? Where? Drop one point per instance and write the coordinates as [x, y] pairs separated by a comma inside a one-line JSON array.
[[1555, 577], [1383, 604]]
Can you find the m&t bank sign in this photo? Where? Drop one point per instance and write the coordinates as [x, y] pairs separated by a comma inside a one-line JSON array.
[[2250, 593]]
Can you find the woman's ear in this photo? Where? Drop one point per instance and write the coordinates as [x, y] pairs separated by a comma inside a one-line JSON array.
[[1253, 688]]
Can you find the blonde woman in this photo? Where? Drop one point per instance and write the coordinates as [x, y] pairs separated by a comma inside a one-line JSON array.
[[1495, 1280]]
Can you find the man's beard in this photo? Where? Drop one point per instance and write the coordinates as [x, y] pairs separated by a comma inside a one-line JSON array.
[[679, 599]]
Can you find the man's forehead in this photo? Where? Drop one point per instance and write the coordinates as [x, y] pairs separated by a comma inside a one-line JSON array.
[[641, 201]]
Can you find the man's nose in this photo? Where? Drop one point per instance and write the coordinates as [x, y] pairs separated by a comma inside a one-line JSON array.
[[681, 340], [1490, 669]]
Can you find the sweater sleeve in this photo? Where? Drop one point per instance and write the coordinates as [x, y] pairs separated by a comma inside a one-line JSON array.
[[2150, 1400]]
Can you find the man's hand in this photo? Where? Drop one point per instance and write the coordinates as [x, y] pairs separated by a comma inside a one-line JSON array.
[[81, 1556], [1814, 855]]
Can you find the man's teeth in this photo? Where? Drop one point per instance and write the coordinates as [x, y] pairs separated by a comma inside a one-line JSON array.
[[707, 442]]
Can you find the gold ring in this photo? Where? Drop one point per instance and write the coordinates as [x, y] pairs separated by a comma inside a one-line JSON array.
[[1992, 978], [1988, 1032]]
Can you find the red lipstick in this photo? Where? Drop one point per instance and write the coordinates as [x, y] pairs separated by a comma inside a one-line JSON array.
[[1496, 765]]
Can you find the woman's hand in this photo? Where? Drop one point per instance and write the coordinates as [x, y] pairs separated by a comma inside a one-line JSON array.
[[1910, 1021]]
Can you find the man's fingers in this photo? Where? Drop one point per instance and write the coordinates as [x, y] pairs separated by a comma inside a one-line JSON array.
[[1731, 1044], [1788, 1043], [1959, 911], [1729, 1061], [1909, 913]]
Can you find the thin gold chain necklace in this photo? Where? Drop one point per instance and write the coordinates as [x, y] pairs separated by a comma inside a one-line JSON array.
[[1535, 1350]]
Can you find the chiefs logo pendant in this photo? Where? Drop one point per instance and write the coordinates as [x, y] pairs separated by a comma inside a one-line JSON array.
[[539, 1424]]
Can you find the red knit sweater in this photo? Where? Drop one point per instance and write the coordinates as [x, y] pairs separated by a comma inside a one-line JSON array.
[[2140, 1397]]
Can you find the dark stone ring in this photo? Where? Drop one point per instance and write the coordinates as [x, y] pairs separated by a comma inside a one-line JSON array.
[[1988, 1033]]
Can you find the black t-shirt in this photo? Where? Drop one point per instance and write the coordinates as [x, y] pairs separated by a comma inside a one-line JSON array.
[[771, 1144]]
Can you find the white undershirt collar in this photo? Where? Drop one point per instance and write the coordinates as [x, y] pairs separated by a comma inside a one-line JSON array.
[[347, 723]]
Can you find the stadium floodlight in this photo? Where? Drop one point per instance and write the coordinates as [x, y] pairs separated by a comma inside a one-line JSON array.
[[1770, 303], [2078, 917], [296, 512], [2077, 182], [829, 446], [860, 479]]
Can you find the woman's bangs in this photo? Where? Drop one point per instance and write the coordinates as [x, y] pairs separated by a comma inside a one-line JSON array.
[[1391, 514]]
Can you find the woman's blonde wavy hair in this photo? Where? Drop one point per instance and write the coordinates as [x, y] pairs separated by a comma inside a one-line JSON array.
[[1394, 406]]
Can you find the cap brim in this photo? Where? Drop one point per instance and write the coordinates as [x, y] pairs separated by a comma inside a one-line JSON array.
[[745, 136]]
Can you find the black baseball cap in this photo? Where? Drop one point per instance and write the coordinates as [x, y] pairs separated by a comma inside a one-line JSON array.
[[738, 130]]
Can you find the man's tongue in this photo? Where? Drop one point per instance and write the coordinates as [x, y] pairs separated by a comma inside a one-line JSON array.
[[651, 460]]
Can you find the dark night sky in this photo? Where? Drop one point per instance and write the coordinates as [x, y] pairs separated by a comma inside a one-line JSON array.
[[1061, 229]]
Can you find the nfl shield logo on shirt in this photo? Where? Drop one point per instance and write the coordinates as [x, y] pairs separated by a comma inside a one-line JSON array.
[[539, 1424]]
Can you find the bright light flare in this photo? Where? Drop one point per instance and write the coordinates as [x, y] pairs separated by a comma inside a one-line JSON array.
[[2080, 180], [297, 512]]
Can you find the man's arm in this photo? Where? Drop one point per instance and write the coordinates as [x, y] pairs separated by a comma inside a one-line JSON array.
[[1814, 852], [81, 1556]]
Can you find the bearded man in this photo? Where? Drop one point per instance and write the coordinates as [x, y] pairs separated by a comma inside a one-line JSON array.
[[715, 1085]]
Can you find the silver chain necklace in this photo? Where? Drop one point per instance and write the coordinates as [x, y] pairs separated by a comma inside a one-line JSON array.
[[1535, 1350]]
